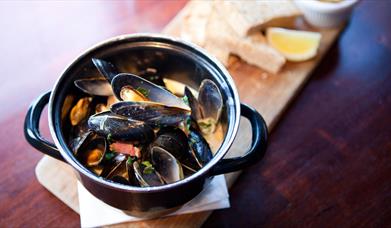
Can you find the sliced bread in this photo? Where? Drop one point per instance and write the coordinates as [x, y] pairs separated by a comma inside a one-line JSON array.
[[247, 17]]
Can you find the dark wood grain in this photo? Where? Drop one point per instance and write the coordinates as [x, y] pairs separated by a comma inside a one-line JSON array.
[[329, 159], [328, 163]]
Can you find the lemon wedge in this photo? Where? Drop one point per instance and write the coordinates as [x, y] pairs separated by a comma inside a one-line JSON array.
[[295, 45]]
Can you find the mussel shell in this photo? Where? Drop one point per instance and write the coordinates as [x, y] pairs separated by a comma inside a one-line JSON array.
[[119, 170], [146, 180], [166, 165], [131, 174], [175, 141], [210, 100], [200, 147], [155, 114], [124, 174], [107, 69], [150, 90], [120, 128], [78, 141], [94, 86], [194, 105], [111, 165], [92, 144]]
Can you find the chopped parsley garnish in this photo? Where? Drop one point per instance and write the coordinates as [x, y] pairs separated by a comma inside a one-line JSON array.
[[143, 91], [148, 167], [205, 124], [109, 155], [109, 137], [185, 100], [131, 159], [146, 163]]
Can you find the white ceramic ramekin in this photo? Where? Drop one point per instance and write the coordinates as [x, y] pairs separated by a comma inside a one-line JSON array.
[[326, 14]]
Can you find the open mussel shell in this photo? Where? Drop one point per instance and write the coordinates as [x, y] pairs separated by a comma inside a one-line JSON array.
[[119, 171], [146, 179], [92, 151], [120, 128], [210, 100], [153, 113], [94, 86], [107, 69], [194, 105], [175, 141], [123, 173], [131, 173], [199, 147], [110, 166], [79, 140], [151, 91], [166, 165]]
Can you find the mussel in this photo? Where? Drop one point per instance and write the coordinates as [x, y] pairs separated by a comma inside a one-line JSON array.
[[200, 148], [175, 141], [79, 139], [111, 163], [146, 175], [149, 90], [206, 110], [210, 100], [152, 113], [118, 127], [123, 171], [166, 165], [92, 150], [80, 111], [107, 69], [127, 93]]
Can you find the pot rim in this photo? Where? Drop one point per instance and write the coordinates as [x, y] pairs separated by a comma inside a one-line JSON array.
[[227, 142]]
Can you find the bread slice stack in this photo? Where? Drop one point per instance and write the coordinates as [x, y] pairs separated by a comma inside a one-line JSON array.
[[235, 27]]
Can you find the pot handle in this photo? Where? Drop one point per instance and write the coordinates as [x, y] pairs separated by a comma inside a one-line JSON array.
[[31, 128], [257, 149]]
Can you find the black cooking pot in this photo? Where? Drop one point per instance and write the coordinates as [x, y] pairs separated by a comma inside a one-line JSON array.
[[174, 59]]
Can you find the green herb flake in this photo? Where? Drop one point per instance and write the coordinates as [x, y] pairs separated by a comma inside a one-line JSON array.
[[204, 124], [143, 91], [148, 167], [146, 163], [109, 137], [131, 159], [109, 155], [148, 170], [185, 100]]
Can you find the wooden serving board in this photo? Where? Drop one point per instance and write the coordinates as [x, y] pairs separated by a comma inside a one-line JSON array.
[[269, 94]]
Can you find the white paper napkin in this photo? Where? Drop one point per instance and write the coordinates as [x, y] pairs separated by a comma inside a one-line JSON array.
[[94, 212]]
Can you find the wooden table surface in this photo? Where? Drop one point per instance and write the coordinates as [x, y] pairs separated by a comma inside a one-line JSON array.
[[329, 159]]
